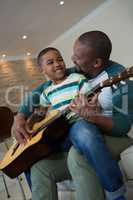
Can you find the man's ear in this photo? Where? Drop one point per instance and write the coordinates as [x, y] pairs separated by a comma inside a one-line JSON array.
[[40, 68], [98, 63]]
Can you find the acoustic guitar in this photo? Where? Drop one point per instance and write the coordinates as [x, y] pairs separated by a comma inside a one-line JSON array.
[[48, 133]]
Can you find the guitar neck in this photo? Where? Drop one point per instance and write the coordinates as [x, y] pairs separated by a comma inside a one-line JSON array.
[[94, 91], [125, 74]]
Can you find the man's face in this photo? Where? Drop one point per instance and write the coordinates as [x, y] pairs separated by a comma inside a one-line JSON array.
[[83, 57]]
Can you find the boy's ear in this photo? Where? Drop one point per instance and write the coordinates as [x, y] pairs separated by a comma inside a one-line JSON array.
[[98, 63]]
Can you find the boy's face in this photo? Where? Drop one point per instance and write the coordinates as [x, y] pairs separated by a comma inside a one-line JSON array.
[[53, 66]]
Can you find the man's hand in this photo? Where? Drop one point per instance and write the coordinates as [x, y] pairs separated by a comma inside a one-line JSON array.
[[83, 107], [38, 115], [22, 132], [91, 111]]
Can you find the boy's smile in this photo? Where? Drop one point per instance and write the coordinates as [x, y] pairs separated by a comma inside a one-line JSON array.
[[53, 66]]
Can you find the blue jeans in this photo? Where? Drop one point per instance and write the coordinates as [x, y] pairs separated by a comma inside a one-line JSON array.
[[88, 140]]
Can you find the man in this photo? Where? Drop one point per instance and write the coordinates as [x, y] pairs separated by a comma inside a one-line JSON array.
[[91, 55]]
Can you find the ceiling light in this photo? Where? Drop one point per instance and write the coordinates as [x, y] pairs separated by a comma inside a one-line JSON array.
[[4, 55], [62, 3], [24, 37], [28, 54]]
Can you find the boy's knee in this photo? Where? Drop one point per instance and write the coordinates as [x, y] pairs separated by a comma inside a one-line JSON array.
[[75, 160], [78, 165], [39, 171], [72, 157]]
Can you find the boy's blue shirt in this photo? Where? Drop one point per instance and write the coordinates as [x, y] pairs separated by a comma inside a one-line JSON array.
[[122, 119]]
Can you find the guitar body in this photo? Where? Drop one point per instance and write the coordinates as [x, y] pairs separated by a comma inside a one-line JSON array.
[[39, 146]]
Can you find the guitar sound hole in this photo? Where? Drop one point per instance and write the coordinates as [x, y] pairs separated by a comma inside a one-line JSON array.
[[56, 131]]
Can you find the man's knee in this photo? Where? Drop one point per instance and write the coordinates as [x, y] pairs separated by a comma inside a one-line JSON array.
[[84, 135]]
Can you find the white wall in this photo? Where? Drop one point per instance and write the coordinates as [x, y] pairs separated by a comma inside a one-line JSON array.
[[114, 17]]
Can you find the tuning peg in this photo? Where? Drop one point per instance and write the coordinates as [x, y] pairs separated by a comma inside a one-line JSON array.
[[123, 82], [114, 86]]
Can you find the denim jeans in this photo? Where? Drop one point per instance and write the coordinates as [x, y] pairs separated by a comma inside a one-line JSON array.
[[88, 140]]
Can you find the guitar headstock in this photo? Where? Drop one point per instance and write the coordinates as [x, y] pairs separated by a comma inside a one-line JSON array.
[[125, 74]]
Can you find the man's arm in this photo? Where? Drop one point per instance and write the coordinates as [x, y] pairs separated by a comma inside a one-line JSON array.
[[21, 132], [118, 124], [122, 110], [91, 111], [30, 102], [38, 115]]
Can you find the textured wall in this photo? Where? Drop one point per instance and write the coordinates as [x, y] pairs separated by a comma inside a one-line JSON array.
[[16, 78], [114, 17]]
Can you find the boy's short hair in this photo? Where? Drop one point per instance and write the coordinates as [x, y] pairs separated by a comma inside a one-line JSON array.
[[99, 42], [43, 52]]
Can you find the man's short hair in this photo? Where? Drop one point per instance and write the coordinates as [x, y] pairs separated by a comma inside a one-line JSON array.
[[99, 42]]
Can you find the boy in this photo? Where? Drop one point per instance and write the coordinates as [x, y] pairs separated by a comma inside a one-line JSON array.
[[63, 88]]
